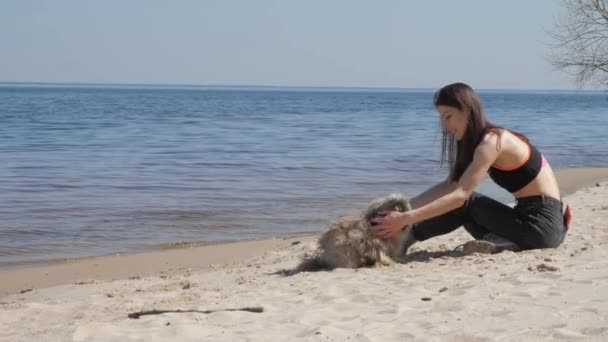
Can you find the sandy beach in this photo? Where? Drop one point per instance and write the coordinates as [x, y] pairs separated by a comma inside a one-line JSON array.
[[437, 295]]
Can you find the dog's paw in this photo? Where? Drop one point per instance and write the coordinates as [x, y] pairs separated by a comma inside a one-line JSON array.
[[385, 260]]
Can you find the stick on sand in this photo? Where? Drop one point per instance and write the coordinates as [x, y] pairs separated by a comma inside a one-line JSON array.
[[136, 315]]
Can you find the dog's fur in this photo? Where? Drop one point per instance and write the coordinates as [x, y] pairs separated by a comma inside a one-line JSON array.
[[349, 242]]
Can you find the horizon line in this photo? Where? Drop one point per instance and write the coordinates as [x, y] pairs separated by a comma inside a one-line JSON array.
[[269, 86]]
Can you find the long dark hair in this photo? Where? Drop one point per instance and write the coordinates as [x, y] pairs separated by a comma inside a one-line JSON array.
[[459, 154]]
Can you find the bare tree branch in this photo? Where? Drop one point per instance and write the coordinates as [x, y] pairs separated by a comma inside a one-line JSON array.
[[580, 41]]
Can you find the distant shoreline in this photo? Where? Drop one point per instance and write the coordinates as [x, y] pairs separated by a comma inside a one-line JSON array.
[[275, 87]]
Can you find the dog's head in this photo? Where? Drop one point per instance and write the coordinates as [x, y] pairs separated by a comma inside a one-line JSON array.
[[394, 201]]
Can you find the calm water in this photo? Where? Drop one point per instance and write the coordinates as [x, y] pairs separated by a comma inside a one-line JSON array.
[[97, 170]]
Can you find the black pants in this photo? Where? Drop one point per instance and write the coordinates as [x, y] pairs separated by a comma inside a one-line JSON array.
[[534, 222]]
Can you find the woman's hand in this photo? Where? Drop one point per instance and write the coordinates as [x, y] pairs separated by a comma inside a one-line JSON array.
[[390, 224]]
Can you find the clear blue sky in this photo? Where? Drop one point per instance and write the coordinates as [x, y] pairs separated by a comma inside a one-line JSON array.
[[383, 43]]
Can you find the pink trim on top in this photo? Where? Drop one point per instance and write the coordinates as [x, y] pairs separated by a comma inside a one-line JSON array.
[[545, 162], [520, 164]]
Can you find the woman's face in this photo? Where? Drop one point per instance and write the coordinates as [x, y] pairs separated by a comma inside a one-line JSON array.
[[453, 120]]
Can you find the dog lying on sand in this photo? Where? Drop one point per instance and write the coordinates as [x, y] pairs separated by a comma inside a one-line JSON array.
[[349, 241]]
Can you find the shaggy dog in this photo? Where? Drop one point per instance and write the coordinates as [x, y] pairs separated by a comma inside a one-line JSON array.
[[349, 241]]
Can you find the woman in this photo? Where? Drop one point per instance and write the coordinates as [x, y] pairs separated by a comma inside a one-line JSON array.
[[474, 147]]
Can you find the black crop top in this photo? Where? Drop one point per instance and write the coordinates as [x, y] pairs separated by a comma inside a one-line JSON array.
[[517, 178]]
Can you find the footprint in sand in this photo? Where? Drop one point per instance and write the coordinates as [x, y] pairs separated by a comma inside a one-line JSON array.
[[501, 313], [461, 290], [567, 334], [467, 338], [405, 336], [390, 311], [524, 294], [544, 268], [593, 331], [307, 333], [449, 307], [592, 310]]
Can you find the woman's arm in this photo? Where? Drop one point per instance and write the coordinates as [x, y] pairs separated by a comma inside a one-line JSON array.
[[454, 197], [433, 193], [485, 155]]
